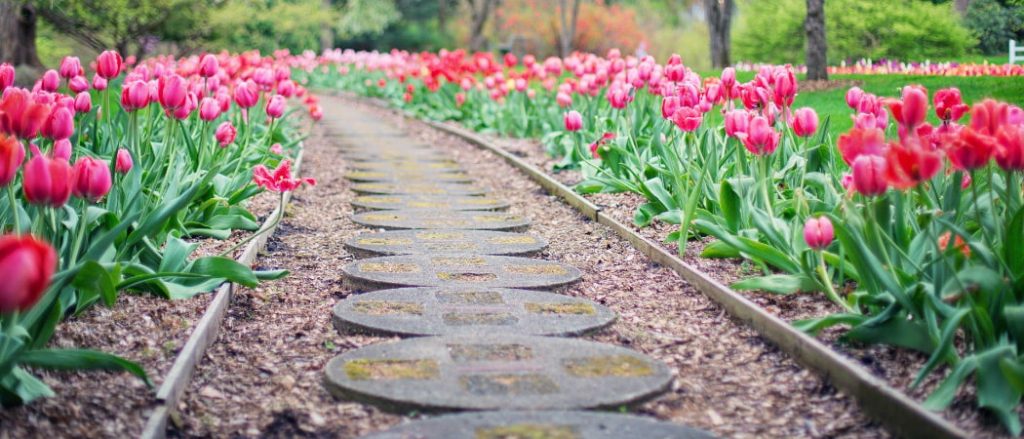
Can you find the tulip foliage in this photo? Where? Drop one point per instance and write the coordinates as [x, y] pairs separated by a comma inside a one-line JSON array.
[[110, 182], [912, 230]]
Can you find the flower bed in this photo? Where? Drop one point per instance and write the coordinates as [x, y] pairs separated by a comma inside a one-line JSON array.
[[166, 155], [903, 225]]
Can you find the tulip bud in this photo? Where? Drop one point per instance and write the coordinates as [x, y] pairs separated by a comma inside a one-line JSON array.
[[275, 107], [276, 149], [869, 175], [50, 81], [818, 233], [736, 122], [12, 153], [109, 64], [460, 98], [83, 102], [70, 67], [728, 78], [123, 163], [805, 122], [246, 94], [46, 181], [853, 97], [6, 76], [208, 66], [99, 83], [315, 112], [209, 109], [26, 265], [286, 88], [91, 179], [173, 91], [62, 149], [59, 125], [225, 134], [135, 96], [573, 121]]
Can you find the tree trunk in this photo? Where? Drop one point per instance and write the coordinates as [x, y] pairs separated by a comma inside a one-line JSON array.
[[442, 14], [480, 11], [719, 16], [326, 32], [961, 6], [567, 28], [817, 45], [18, 34]]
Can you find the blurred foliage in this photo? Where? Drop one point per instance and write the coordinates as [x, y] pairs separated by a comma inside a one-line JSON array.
[[531, 26], [772, 30], [995, 23], [120, 23], [269, 24], [417, 29]]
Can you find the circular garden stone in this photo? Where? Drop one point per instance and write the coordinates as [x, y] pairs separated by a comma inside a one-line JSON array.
[[442, 219], [400, 176], [401, 165], [444, 311], [431, 202], [399, 156], [416, 188], [475, 271], [489, 372], [547, 425], [427, 242]]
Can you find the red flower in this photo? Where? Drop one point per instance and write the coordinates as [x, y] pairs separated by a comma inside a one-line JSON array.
[[969, 149], [949, 105], [90, 179], [909, 163], [280, 180], [47, 181], [12, 153], [108, 64], [687, 118], [20, 115], [911, 110], [26, 265], [760, 138], [989, 115], [1010, 148], [861, 141]]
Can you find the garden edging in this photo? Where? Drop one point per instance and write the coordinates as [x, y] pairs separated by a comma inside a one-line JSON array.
[[899, 413], [205, 332]]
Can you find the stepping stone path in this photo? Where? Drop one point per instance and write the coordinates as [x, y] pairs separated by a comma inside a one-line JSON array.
[[483, 340]]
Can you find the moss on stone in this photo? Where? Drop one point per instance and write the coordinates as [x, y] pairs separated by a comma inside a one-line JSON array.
[[367, 369]]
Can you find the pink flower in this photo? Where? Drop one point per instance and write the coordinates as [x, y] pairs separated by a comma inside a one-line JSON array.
[[26, 265], [460, 98], [869, 175], [6, 76], [818, 233], [949, 105], [99, 83], [563, 99], [225, 134], [90, 179], [760, 138], [135, 96], [573, 120], [687, 118], [853, 97], [70, 67], [246, 94], [276, 149], [12, 154], [275, 107], [50, 81], [123, 163], [78, 84], [669, 105], [209, 109], [109, 64], [736, 122], [62, 149], [805, 122], [280, 180], [208, 66], [46, 181], [59, 125], [83, 102], [173, 91]]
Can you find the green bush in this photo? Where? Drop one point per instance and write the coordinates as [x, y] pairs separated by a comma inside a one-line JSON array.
[[994, 24], [772, 30]]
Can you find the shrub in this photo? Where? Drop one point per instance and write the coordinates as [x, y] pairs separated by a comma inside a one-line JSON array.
[[994, 24]]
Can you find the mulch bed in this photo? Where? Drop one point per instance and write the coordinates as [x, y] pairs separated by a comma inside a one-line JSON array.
[[263, 377]]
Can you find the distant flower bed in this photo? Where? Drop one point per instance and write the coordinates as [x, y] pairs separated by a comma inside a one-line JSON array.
[[892, 67]]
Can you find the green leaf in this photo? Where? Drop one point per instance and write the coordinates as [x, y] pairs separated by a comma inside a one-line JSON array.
[[1012, 249], [75, 359], [20, 387], [813, 326], [730, 204], [270, 274], [897, 331], [94, 279], [778, 283], [719, 249], [949, 330], [994, 391], [226, 268]]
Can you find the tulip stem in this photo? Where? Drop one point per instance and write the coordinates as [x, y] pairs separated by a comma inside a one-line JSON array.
[[830, 291], [79, 235], [14, 209]]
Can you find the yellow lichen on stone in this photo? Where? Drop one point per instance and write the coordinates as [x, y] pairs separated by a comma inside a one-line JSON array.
[[608, 366], [385, 241], [527, 431], [536, 269], [439, 236], [560, 308], [517, 239], [380, 307], [388, 267], [467, 277], [367, 369], [458, 261]]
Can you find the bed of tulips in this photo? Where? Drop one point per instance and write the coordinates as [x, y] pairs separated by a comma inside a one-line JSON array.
[[894, 67], [106, 180], [913, 230]]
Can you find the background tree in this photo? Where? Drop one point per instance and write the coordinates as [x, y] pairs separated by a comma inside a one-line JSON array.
[[567, 18], [479, 12], [817, 45], [18, 34], [719, 18]]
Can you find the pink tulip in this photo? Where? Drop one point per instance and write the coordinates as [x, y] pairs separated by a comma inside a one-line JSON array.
[[805, 122], [6, 76], [62, 149], [83, 102], [460, 98], [949, 105], [286, 88], [78, 84], [123, 163], [276, 107], [90, 179], [573, 120], [736, 122], [912, 109], [225, 134], [12, 153], [853, 97], [209, 109], [50, 81], [109, 64], [46, 181], [208, 66], [246, 94], [687, 118], [869, 175], [669, 105], [173, 91], [59, 125], [135, 96], [99, 83], [760, 138], [184, 111], [70, 67], [818, 233], [27, 265], [563, 99], [728, 78]]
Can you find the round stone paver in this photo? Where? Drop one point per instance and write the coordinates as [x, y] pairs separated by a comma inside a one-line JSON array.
[[418, 177], [476, 271], [547, 425], [426, 242], [464, 220], [488, 372], [428, 202], [416, 188], [444, 311], [401, 165]]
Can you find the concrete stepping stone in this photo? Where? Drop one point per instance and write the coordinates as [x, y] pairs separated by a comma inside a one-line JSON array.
[[546, 425], [416, 188], [441, 219], [400, 165], [476, 271], [445, 311], [403, 156], [442, 241], [489, 372], [428, 202], [409, 177]]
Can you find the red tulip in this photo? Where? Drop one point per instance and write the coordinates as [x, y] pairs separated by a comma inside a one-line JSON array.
[[47, 181], [460, 98], [6, 76], [59, 125], [276, 107], [573, 120], [1010, 150], [246, 94], [83, 102], [20, 115], [90, 179], [908, 163], [109, 64], [208, 66], [280, 180], [969, 150], [71, 67], [805, 122], [286, 88], [912, 109], [135, 96], [869, 175], [50, 81], [12, 153], [736, 122], [760, 138], [62, 149], [26, 265], [687, 118], [123, 163], [859, 141], [949, 105], [173, 91], [225, 134], [989, 115], [818, 233]]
